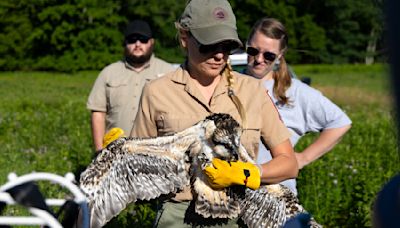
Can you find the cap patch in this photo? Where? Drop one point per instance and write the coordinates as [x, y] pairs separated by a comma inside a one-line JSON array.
[[220, 14]]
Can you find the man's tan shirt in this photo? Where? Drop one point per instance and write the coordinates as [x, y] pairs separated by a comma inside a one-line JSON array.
[[118, 88], [173, 103]]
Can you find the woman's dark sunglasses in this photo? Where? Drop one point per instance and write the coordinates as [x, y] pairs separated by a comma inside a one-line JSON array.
[[267, 55], [134, 39], [225, 46]]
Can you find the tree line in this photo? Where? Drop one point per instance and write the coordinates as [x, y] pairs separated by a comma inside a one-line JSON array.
[[72, 35]]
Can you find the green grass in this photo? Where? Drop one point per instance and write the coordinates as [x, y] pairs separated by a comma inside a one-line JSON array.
[[339, 189], [45, 126], [351, 85]]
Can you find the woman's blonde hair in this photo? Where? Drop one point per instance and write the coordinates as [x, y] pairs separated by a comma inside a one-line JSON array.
[[179, 30], [274, 29], [228, 72]]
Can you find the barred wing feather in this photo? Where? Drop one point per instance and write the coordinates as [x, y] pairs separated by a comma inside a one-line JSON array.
[[117, 177]]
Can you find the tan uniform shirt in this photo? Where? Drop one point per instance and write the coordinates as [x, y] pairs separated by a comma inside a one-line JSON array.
[[118, 88], [173, 103]]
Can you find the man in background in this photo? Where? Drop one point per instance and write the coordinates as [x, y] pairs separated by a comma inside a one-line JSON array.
[[115, 96]]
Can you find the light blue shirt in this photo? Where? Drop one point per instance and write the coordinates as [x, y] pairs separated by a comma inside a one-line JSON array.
[[308, 111]]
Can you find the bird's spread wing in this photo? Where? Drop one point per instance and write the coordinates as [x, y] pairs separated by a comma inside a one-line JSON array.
[[142, 169], [270, 206], [125, 172], [261, 208], [214, 203]]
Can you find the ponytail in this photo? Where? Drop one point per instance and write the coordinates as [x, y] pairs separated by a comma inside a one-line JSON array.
[[231, 81], [282, 82]]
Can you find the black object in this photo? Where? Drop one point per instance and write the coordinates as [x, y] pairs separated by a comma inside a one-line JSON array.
[[139, 27], [135, 37], [301, 220], [267, 55], [28, 195], [2, 206], [386, 210], [69, 214], [306, 80]]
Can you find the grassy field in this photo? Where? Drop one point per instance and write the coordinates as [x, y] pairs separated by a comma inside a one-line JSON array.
[[340, 188], [44, 126]]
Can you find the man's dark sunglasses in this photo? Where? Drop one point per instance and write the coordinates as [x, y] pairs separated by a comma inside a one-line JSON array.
[[225, 46], [267, 55], [134, 39]]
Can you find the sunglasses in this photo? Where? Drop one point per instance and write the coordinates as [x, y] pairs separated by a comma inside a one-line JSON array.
[[225, 46], [267, 55], [134, 39]]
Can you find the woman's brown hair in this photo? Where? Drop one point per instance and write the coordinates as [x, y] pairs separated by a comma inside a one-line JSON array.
[[274, 29]]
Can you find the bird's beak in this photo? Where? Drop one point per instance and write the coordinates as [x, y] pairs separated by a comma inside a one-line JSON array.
[[235, 154]]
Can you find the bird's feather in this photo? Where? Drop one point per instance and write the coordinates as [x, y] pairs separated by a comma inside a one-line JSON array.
[[132, 169]]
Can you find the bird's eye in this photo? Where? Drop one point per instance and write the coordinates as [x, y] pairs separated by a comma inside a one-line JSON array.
[[223, 142], [227, 146]]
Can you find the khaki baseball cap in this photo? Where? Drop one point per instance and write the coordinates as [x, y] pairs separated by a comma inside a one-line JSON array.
[[210, 21]]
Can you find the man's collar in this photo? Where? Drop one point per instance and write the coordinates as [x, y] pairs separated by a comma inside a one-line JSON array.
[[144, 66]]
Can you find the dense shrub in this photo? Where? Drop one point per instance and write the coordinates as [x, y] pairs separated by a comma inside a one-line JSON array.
[[74, 35]]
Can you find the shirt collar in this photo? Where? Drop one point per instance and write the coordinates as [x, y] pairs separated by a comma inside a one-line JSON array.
[[182, 77], [146, 65]]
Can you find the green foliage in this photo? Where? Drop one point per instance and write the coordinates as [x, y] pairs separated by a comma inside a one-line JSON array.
[[348, 26], [345, 181], [306, 38], [139, 214], [44, 126], [310, 42], [339, 189], [68, 36], [77, 35]]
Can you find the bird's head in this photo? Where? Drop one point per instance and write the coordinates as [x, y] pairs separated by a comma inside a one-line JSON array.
[[225, 136]]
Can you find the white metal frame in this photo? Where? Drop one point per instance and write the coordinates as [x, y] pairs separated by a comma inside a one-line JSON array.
[[42, 217]]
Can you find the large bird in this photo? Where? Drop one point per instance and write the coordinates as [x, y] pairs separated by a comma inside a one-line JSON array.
[[131, 169]]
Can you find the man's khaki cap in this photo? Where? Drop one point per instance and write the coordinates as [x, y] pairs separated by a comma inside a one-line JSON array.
[[210, 21]]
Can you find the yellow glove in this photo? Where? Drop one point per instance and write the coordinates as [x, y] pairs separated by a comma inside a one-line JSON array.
[[111, 135], [222, 174]]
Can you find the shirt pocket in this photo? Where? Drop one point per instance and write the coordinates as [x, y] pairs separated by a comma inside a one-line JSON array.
[[115, 94], [171, 123]]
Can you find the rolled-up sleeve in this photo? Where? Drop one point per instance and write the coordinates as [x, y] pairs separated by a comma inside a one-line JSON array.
[[97, 100]]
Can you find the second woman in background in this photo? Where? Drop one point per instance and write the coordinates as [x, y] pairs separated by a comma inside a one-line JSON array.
[[302, 108]]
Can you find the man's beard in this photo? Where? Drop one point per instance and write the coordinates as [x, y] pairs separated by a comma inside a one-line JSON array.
[[135, 60]]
